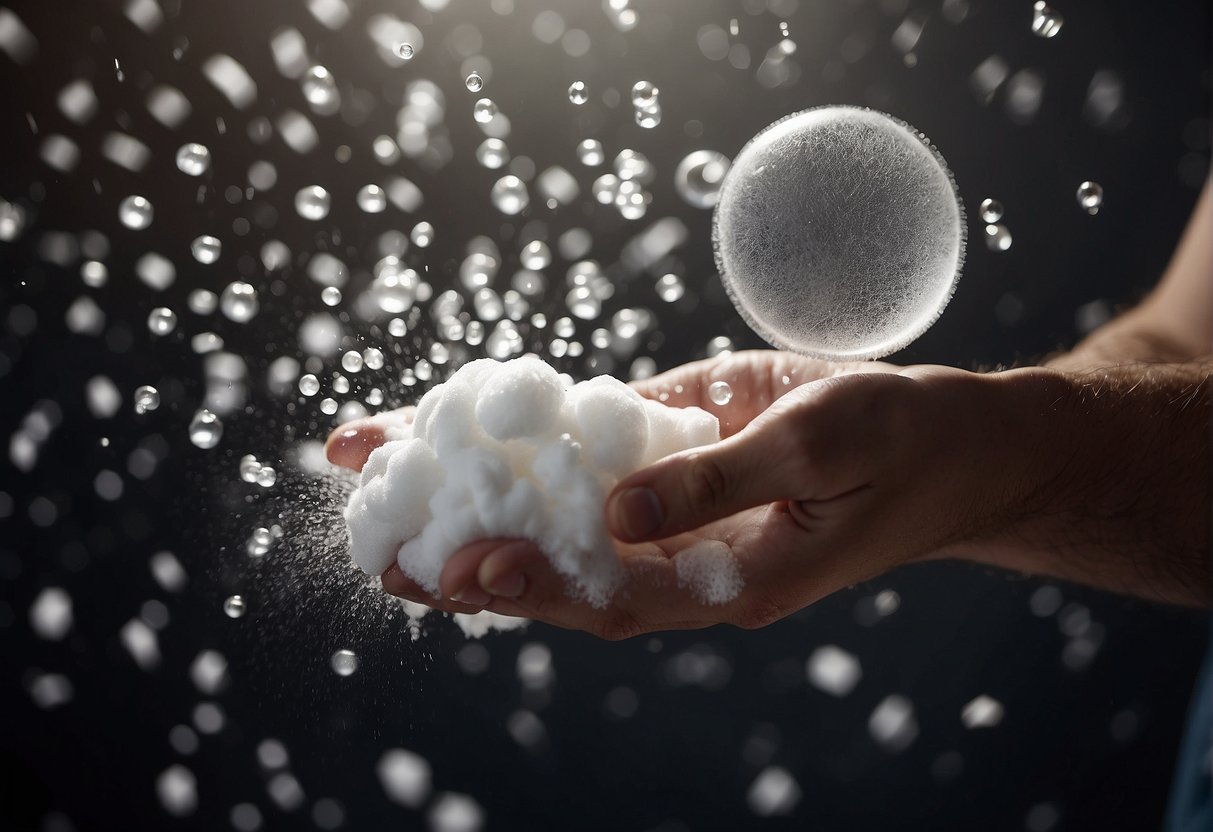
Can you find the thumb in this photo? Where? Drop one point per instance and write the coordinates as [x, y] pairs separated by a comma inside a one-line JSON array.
[[688, 490]]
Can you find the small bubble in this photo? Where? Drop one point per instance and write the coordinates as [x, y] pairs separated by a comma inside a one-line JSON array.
[[670, 288], [1046, 21], [239, 302], [234, 606], [135, 212], [998, 237], [579, 93], [351, 362], [509, 195], [405, 51], [720, 393], [991, 211], [344, 662], [1090, 197], [309, 385], [319, 86], [536, 255], [699, 176], [94, 274], [372, 199], [312, 203], [648, 119], [249, 468], [328, 406], [644, 95], [474, 82], [372, 358], [260, 542], [330, 295], [161, 320], [205, 430], [267, 476], [484, 111], [591, 153], [422, 234], [193, 159], [206, 249], [147, 399], [492, 154]]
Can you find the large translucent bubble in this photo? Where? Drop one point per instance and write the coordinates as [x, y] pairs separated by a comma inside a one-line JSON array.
[[839, 233]]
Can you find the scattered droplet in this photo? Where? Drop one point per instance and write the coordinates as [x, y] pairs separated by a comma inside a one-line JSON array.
[[484, 111], [1090, 197], [344, 662], [644, 95], [579, 93], [239, 302], [234, 606], [536, 255], [492, 153], [474, 82], [161, 320], [309, 385], [351, 362], [720, 393], [267, 476], [193, 159], [249, 468], [147, 399], [991, 211], [312, 203], [330, 295], [591, 153], [1046, 21], [670, 288], [509, 195], [319, 86], [135, 212], [206, 249], [372, 199], [998, 237], [260, 542], [422, 234], [699, 176], [405, 51], [205, 429]]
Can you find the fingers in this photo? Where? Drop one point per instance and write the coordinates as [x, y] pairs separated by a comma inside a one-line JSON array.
[[395, 582], [350, 444]]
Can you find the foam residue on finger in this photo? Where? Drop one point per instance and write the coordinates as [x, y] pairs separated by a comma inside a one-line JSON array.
[[512, 450], [710, 571]]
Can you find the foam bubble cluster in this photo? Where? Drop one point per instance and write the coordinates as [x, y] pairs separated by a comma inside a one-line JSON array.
[[839, 233], [512, 450]]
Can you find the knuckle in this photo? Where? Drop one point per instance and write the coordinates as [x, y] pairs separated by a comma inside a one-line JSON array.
[[705, 482]]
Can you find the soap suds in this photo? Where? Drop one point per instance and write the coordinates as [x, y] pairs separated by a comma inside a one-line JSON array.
[[710, 571]]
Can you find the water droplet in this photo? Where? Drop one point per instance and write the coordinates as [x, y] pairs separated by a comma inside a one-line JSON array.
[[351, 362], [205, 429], [503, 342], [309, 385], [1046, 21], [509, 195], [161, 320], [206, 249], [1090, 197], [328, 406], [267, 476], [372, 199], [583, 304], [239, 302], [590, 153], [998, 237], [492, 153], [991, 210], [330, 295], [372, 358], [474, 82], [422, 234], [699, 176], [644, 95], [94, 274], [234, 606], [648, 119], [536, 255], [631, 164], [484, 111], [202, 302], [249, 468], [579, 93], [312, 203], [720, 393], [405, 51], [135, 212], [260, 542], [605, 188], [344, 662], [147, 399], [319, 86], [193, 159], [670, 288]]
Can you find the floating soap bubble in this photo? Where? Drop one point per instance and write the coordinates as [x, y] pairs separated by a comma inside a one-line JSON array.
[[259, 542], [824, 252], [631, 164], [1046, 21], [330, 295], [644, 95], [670, 288], [309, 385], [205, 430], [312, 203], [161, 320], [405, 51], [206, 249], [590, 153], [422, 235], [267, 476], [239, 302], [991, 210], [344, 662], [234, 606], [147, 399], [492, 153], [648, 119], [319, 86], [193, 159], [484, 110], [1090, 197], [536, 255], [135, 212], [249, 468], [579, 93], [328, 406], [351, 362], [699, 176], [720, 393], [371, 199], [998, 237], [372, 358], [509, 195], [474, 82]]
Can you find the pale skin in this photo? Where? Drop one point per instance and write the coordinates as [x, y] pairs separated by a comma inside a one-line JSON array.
[[1093, 467]]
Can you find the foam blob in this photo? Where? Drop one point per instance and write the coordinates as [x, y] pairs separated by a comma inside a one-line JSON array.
[[510, 450], [839, 233], [710, 571]]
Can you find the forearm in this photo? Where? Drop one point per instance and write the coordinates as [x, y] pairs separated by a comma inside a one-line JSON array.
[[1108, 474]]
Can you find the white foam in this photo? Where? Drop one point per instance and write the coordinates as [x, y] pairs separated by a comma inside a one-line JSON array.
[[510, 450], [710, 571]]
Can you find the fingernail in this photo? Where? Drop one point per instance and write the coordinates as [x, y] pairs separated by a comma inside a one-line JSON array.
[[473, 596], [509, 585], [637, 513], [349, 434]]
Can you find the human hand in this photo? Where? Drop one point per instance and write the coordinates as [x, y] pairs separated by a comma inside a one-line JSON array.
[[827, 475]]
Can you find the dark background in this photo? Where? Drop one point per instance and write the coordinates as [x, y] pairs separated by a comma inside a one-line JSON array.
[[1094, 746]]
